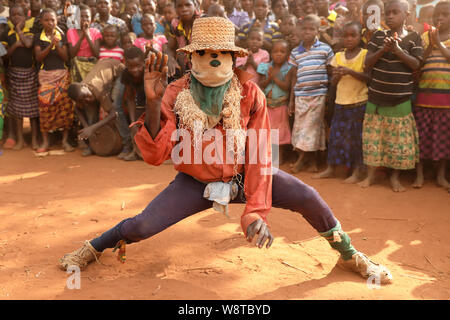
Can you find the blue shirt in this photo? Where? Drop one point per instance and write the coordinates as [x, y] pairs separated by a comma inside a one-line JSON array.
[[277, 92], [312, 77], [137, 28]]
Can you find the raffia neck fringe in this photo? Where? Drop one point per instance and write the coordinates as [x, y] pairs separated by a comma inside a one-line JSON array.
[[192, 118]]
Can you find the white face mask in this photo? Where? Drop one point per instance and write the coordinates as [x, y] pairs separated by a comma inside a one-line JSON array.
[[213, 68]]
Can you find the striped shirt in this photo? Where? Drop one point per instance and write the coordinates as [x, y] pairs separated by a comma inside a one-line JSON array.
[[271, 31], [115, 53], [434, 83], [312, 77], [391, 80]]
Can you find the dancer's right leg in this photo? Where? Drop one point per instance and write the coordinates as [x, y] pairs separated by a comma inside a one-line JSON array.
[[181, 199]]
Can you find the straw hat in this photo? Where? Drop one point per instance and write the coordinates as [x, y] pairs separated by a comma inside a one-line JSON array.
[[213, 33]]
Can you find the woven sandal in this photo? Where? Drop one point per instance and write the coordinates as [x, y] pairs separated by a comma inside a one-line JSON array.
[[361, 264], [80, 257]]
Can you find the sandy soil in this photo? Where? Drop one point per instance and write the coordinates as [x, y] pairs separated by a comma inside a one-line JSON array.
[[49, 206]]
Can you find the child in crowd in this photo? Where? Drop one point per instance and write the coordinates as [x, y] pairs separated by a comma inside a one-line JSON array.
[[148, 40], [127, 40], [92, 4], [216, 10], [288, 24], [280, 8], [84, 45], [55, 106], [115, 9], [294, 38], [21, 77], [297, 9], [169, 14], [248, 6], [276, 85], [390, 137], [345, 144], [426, 16], [261, 20], [180, 36], [147, 7], [256, 54], [327, 22], [432, 111], [109, 48], [310, 60], [134, 98]]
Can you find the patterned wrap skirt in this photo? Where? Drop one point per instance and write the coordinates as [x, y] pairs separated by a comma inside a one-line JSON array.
[[308, 132], [390, 137], [55, 107], [23, 92], [345, 143], [433, 125]]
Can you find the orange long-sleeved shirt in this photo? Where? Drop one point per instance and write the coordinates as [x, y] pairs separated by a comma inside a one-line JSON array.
[[258, 180]]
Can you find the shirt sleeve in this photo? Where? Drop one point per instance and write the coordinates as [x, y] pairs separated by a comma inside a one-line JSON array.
[[258, 162], [416, 47], [333, 61], [156, 151], [330, 54], [426, 40], [376, 42], [242, 34], [292, 60]]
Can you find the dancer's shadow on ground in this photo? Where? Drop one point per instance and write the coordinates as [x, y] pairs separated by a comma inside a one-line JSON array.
[[304, 290]]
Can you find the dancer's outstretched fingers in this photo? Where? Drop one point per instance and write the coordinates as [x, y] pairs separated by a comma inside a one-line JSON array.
[[263, 235], [152, 62], [270, 240], [158, 61], [165, 61]]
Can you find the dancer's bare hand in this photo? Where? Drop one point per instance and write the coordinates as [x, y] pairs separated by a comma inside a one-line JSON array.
[[261, 228], [155, 75]]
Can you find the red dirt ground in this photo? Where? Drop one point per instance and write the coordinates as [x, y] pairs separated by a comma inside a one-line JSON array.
[[50, 205]]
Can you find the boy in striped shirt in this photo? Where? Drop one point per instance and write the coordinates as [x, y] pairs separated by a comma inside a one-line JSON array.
[[310, 59]]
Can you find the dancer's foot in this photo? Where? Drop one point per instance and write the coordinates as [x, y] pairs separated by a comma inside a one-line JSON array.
[[80, 257], [361, 264], [328, 173], [396, 185]]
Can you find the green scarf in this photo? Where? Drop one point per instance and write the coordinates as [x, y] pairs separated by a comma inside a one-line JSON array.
[[210, 99]]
